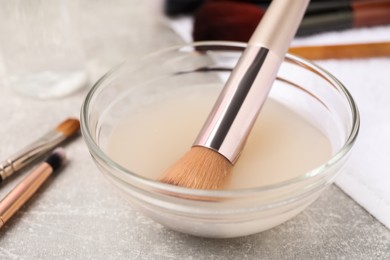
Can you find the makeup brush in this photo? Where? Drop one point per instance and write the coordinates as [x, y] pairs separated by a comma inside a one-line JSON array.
[[40, 147], [343, 51], [359, 14], [29, 185], [184, 7], [208, 164], [235, 21], [314, 7]]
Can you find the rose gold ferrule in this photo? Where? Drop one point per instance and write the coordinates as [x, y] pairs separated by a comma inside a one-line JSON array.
[[238, 105], [23, 191]]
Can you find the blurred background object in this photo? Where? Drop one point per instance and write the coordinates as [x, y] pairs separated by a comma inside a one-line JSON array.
[[42, 54], [235, 20]]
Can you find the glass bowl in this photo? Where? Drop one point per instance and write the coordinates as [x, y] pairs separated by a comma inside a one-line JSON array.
[[301, 86]]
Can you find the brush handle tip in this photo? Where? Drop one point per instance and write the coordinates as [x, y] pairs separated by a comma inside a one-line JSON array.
[[279, 25]]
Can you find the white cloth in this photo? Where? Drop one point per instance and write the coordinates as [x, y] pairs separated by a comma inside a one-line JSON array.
[[367, 175]]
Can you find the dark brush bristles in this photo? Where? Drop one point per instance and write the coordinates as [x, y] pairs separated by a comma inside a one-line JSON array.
[[180, 7], [56, 159], [228, 21], [199, 168]]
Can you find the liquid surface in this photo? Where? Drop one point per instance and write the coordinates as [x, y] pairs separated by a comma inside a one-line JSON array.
[[281, 146]]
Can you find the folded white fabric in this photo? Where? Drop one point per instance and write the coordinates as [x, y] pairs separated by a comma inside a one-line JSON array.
[[366, 178], [367, 175]]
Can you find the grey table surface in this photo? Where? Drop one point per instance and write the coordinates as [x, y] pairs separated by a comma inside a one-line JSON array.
[[78, 215]]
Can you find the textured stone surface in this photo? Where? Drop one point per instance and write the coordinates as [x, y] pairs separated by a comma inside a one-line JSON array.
[[77, 215]]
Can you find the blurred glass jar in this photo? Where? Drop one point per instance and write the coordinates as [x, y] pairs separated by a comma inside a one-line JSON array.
[[40, 47]]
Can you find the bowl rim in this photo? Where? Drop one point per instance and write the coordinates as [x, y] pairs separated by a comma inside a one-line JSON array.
[[128, 176]]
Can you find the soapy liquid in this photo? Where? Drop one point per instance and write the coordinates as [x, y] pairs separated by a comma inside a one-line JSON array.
[[281, 146]]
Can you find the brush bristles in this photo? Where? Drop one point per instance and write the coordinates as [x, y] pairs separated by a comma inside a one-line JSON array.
[[69, 127], [57, 158], [199, 168]]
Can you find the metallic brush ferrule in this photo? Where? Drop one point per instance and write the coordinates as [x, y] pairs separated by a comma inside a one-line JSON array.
[[30, 153], [239, 103]]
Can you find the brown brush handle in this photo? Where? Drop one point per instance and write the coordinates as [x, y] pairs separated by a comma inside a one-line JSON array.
[[347, 51]]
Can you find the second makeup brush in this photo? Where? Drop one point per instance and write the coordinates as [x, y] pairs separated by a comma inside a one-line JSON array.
[[40, 147], [18, 196]]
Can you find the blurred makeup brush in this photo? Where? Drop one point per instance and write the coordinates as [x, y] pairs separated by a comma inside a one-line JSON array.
[[236, 21], [185, 7], [314, 7], [208, 164], [343, 51], [40, 147], [358, 14], [17, 197]]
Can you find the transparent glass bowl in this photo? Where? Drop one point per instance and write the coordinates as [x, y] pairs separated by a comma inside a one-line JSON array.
[[302, 86]]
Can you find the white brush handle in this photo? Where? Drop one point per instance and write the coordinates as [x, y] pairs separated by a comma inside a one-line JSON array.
[[247, 88]]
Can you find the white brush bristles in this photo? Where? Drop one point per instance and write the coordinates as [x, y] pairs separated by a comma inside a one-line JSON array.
[[199, 168]]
